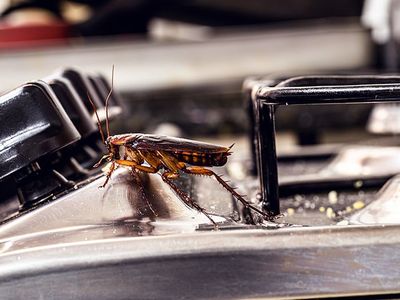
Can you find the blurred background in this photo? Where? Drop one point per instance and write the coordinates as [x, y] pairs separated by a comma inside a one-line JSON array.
[[181, 64]]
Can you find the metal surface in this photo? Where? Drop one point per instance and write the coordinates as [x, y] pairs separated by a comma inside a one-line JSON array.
[[384, 119], [290, 263], [133, 242], [384, 210], [106, 243], [365, 166], [142, 65], [90, 213], [114, 243]]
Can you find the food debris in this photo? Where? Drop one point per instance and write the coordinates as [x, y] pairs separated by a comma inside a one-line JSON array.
[[322, 209], [330, 213], [358, 204], [358, 184], [290, 211], [333, 197]]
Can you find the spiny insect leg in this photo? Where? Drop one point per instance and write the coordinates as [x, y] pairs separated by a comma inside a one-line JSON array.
[[185, 197], [139, 183], [207, 172], [104, 157], [133, 164], [108, 176]]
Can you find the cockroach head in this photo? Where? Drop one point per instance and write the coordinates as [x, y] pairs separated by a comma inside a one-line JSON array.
[[108, 141], [113, 149]]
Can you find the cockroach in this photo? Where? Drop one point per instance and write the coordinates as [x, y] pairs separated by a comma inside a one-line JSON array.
[[166, 155]]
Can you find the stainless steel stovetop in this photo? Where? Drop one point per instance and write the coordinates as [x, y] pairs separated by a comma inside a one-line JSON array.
[[62, 237]]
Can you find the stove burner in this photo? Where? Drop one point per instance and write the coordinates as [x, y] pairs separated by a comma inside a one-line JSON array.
[[265, 96]]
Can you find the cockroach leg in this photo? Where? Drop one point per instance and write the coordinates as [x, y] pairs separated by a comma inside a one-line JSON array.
[[139, 183], [133, 164], [104, 157], [170, 162], [203, 171], [108, 176], [166, 176]]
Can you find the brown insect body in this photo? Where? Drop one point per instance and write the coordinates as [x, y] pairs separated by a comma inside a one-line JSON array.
[[150, 153], [195, 153]]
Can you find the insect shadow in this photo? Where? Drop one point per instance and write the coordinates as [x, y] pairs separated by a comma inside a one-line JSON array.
[[168, 156]]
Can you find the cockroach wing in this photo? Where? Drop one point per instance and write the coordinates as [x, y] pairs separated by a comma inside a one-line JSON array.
[[173, 144]]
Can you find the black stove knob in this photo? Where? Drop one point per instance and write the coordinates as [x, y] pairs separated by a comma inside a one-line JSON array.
[[73, 105], [83, 87], [115, 97], [102, 88], [33, 124]]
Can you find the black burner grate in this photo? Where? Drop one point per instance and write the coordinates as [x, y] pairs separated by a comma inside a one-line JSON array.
[[265, 96]]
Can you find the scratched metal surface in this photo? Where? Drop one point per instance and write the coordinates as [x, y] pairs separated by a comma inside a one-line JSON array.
[[112, 243], [91, 213], [291, 263]]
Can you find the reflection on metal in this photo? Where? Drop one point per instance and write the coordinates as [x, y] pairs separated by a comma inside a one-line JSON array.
[[353, 167], [116, 243], [385, 209], [91, 213], [354, 163], [364, 161], [384, 119], [289, 263]]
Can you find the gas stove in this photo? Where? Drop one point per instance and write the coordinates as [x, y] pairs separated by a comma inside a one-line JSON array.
[[62, 236]]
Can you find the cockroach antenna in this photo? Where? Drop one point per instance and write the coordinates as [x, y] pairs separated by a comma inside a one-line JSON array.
[[97, 117], [107, 100]]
